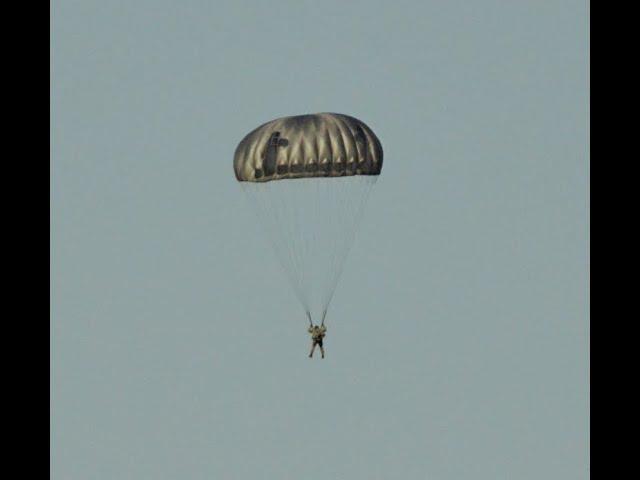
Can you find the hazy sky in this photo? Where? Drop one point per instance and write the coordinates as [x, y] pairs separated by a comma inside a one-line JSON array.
[[458, 336]]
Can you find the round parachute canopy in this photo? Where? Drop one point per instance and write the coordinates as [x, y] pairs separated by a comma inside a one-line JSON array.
[[334, 161], [303, 146]]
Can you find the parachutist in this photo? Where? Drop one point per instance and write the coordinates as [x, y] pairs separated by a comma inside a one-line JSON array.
[[317, 334], [308, 177]]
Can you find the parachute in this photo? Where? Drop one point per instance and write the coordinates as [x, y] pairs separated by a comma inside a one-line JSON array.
[[308, 178]]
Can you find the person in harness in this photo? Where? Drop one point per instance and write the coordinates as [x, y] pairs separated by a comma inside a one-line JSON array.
[[317, 334]]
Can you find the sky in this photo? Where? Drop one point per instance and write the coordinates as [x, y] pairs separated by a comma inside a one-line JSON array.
[[458, 335]]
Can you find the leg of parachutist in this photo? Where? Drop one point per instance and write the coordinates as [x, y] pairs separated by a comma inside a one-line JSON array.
[[313, 347], [322, 350]]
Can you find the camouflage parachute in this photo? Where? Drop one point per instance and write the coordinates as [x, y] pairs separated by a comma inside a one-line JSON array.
[[320, 145], [331, 162]]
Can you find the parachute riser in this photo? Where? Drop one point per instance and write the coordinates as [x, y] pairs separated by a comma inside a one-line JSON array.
[[324, 314]]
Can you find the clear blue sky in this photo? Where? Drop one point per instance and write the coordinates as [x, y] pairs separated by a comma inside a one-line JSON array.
[[458, 343]]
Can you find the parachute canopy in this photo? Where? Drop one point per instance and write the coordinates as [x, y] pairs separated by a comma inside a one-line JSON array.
[[318, 145], [331, 162]]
